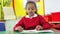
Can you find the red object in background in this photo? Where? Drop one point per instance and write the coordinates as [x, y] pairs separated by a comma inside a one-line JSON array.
[[55, 17], [13, 3], [47, 18]]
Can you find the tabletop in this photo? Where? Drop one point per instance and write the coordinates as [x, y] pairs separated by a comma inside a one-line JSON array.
[[12, 32]]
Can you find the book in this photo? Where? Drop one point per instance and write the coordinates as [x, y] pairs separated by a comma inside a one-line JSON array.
[[34, 31]]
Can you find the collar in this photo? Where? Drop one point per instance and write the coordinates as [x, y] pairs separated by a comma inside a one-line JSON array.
[[35, 15]]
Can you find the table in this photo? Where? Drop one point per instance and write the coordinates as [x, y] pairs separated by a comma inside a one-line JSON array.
[[11, 32], [32, 33]]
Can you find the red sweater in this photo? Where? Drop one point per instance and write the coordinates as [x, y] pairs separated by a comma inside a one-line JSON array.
[[29, 24]]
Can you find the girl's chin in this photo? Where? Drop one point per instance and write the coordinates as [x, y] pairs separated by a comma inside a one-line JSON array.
[[31, 14]]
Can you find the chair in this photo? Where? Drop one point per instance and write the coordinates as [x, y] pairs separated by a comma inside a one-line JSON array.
[[2, 26]]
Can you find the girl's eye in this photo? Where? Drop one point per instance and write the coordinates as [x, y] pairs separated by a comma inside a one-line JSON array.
[[28, 9], [32, 9]]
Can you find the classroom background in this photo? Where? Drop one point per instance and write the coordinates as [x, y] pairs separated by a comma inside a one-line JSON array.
[[11, 12]]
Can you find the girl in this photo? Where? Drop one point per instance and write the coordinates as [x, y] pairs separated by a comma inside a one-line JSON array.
[[32, 20]]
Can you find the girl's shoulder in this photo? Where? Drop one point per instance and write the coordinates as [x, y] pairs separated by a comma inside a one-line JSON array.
[[24, 17], [40, 16]]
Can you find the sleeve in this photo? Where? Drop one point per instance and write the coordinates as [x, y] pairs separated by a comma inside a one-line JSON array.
[[45, 25], [20, 23]]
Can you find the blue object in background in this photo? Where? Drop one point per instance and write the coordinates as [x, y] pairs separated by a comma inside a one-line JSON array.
[[2, 26]]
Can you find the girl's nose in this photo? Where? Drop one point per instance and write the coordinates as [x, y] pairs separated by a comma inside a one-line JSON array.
[[30, 9]]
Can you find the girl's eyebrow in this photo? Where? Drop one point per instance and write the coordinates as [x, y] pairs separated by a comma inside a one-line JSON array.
[[29, 7]]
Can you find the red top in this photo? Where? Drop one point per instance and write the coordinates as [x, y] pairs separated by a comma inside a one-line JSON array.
[[31, 23]]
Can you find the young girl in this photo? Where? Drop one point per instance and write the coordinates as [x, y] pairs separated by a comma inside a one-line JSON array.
[[32, 20]]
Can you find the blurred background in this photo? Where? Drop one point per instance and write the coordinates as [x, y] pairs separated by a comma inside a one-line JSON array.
[[11, 12]]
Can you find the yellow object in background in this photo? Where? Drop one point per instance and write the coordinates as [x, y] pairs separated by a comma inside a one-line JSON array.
[[18, 6], [20, 11], [41, 7], [1, 14], [7, 3]]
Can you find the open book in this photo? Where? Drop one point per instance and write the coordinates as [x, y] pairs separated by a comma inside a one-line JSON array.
[[34, 31]]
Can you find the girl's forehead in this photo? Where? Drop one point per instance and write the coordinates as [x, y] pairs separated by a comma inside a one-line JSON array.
[[30, 5]]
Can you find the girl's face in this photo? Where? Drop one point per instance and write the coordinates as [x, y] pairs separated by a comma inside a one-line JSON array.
[[30, 9]]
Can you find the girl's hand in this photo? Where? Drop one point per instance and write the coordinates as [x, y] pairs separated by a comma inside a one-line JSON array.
[[38, 27], [20, 29]]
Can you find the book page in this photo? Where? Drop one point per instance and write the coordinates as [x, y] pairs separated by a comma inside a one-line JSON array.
[[34, 31]]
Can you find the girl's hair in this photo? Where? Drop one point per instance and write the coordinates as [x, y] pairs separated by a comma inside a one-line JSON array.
[[32, 3]]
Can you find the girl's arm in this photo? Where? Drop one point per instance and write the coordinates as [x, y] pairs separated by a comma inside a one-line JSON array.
[[19, 25]]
